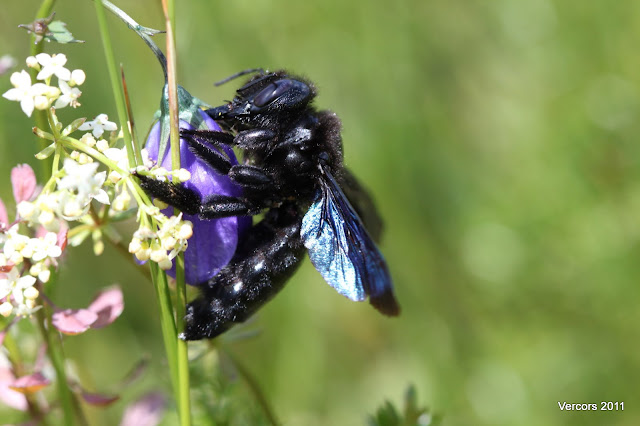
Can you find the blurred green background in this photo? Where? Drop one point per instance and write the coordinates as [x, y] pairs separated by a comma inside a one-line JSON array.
[[499, 139]]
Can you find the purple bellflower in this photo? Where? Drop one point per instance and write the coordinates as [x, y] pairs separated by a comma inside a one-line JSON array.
[[214, 242]]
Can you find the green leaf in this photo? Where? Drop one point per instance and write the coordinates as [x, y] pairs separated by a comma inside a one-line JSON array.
[[387, 415], [413, 415], [42, 134], [58, 32], [78, 238], [73, 126], [46, 153], [189, 108]]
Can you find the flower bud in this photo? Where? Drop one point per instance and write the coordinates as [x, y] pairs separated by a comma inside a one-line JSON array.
[[26, 209], [168, 243], [158, 255], [5, 309], [41, 102], [186, 230], [84, 158], [77, 78], [32, 62], [88, 139], [143, 255], [52, 92], [44, 275], [182, 175], [165, 264], [160, 204], [31, 293], [46, 218], [102, 145]]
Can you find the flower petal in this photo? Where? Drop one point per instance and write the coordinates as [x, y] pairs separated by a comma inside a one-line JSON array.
[[108, 305], [214, 242], [73, 321], [4, 219], [101, 196], [13, 94], [27, 106], [147, 411], [30, 384], [98, 399], [63, 74], [23, 181], [9, 396], [62, 235], [43, 58], [62, 102]]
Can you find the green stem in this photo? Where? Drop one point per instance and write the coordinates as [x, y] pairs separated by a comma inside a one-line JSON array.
[[40, 117], [183, 354], [15, 358], [167, 322], [54, 350], [115, 82], [183, 391]]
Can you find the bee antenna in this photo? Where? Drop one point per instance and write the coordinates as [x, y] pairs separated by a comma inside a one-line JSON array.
[[239, 74]]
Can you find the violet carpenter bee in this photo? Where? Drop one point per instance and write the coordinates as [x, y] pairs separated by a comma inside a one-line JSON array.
[[292, 172]]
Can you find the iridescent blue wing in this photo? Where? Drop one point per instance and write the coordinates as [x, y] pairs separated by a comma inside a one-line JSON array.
[[343, 252]]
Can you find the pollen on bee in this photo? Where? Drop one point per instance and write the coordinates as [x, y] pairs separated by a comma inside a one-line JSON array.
[[258, 266], [237, 286]]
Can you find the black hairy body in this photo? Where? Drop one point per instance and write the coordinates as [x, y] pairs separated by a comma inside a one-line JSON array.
[[292, 169]]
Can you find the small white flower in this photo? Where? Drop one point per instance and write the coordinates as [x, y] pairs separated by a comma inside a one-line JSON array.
[[46, 247], [25, 93], [14, 285], [15, 245], [53, 65], [99, 125], [83, 179], [69, 96]]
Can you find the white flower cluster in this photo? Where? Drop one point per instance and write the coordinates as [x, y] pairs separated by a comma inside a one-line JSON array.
[[41, 95], [17, 292], [80, 184], [164, 244]]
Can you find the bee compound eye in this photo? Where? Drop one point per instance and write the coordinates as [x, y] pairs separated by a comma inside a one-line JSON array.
[[272, 92]]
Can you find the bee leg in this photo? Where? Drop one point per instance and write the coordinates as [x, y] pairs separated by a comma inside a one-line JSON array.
[[217, 206], [263, 264], [200, 142], [251, 177], [190, 202], [207, 136], [254, 139], [184, 199]]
